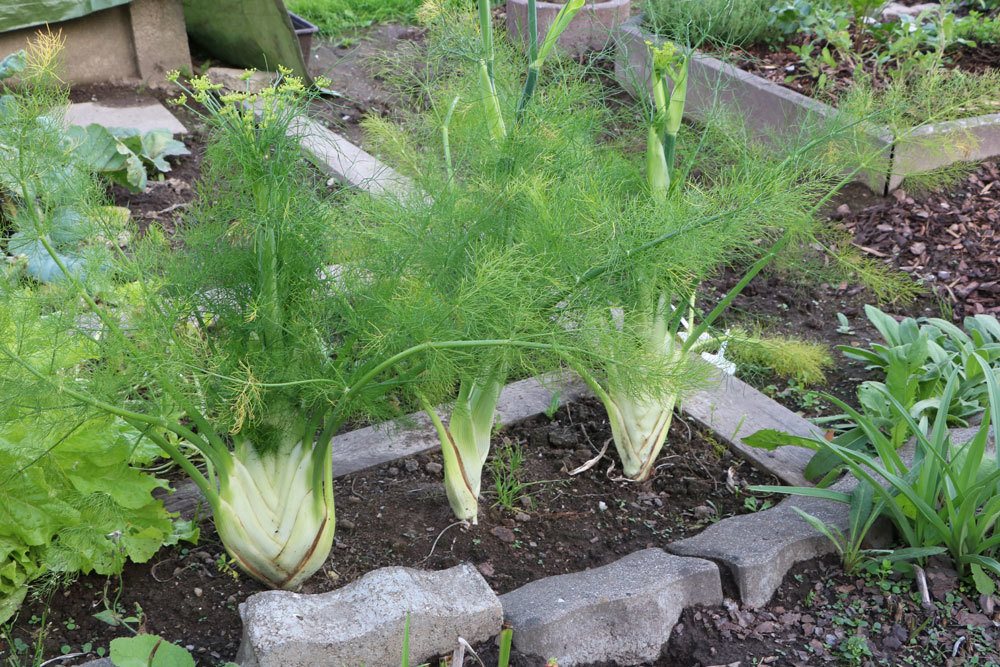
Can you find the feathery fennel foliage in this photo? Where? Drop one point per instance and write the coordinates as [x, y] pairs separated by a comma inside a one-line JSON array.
[[618, 266], [241, 338], [71, 499]]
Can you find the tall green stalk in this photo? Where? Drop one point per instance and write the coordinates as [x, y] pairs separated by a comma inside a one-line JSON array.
[[669, 82]]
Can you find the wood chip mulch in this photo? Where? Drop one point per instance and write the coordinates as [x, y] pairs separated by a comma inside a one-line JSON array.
[[950, 238]]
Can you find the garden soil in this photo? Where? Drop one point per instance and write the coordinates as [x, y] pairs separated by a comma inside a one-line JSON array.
[[397, 514]]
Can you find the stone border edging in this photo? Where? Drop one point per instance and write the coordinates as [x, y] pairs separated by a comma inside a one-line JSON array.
[[775, 111], [623, 612], [590, 30], [343, 161]]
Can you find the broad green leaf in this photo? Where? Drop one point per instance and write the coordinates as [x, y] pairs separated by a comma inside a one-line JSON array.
[[148, 651], [108, 616], [13, 64], [772, 439], [984, 582], [97, 148], [158, 145]]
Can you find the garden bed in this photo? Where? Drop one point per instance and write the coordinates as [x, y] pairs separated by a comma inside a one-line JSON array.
[[821, 615], [815, 616], [776, 111], [542, 522], [396, 514], [947, 237], [166, 198]]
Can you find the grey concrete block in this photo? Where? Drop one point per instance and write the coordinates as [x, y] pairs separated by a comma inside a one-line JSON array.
[[141, 40], [623, 612], [363, 623], [758, 549], [592, 29], [97, 47], [235, 79], [941, 144], [734, 410], [347, 163], [144, 117], [160, 37]]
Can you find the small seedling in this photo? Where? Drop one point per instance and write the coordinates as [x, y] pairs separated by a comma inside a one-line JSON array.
[[553, 407], [845, 326], [506, 470], [754, 504]]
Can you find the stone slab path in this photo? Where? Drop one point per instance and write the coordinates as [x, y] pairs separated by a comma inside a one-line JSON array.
[[144, 117]]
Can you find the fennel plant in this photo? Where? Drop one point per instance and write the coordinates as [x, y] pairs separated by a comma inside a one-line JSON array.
[[562, 219], [467, 248], [239, 337]]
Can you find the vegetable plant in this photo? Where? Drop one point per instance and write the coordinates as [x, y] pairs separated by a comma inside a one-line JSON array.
[[125, 155], [242, 340], [945, 497], [42, 179], [70, 498], [668, 316], [719, 22], [605, 272], [474, 226], [916, 360]]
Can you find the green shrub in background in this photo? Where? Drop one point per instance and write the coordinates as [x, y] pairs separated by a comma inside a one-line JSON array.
[[717, 22], [336, 18]]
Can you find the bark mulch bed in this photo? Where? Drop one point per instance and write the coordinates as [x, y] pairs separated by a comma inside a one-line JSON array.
[[397, 514], [947, 237], [822, 616]]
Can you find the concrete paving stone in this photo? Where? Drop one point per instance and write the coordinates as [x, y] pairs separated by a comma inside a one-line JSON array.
[[622, 613], [144, 117], [363, 623]]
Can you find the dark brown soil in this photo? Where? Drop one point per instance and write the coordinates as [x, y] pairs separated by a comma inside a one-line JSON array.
[[354, 69], [397, 514], [821, 616], [780, 65]]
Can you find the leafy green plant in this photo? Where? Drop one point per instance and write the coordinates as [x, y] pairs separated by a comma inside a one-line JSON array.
[[125, 155], [146, 650], [42, 182], [505, 467], [452, 261], [945, 498], [917, 358], [668, 319], [245, 341], [850, 545], [855, 649], [69, 499], [784, 356]]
